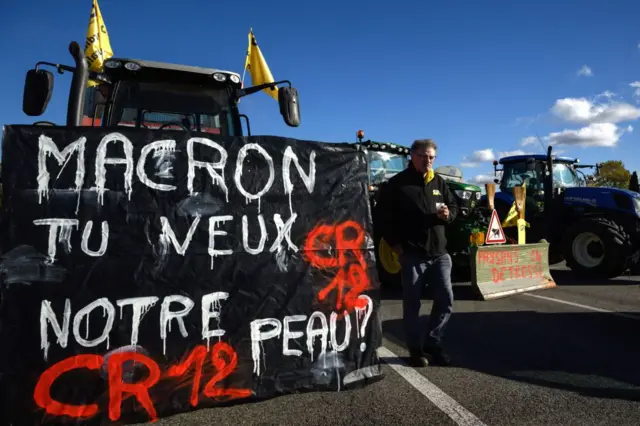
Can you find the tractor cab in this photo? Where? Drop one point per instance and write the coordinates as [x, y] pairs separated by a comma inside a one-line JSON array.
[[385, 161], [152, 95], [383, 165], [530, 170]]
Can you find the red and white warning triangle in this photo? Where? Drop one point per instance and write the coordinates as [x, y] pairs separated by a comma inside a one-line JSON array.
[[495, 234]]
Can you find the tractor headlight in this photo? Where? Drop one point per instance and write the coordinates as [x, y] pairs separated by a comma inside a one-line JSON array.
[[110, 63], [636, 204], [478, 195], [465, 195], [132, 66]]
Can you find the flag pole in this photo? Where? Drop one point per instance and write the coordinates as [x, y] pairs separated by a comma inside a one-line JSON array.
[[245, 59]]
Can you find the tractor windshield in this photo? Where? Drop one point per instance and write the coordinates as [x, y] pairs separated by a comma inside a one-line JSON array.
[[174, 106], [516, 173], [565, 176], [385, 165], [170, 106]]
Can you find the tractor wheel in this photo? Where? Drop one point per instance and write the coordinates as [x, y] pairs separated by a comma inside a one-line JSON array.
[[388, 265], [596, 248]]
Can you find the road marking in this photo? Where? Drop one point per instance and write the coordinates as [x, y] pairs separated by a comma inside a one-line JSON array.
[[578, 305], [444, 402]]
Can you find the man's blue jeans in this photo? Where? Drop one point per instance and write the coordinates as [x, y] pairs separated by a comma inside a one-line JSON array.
[[419, 271]]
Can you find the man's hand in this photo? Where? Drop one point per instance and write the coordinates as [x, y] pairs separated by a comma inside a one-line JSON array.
[[443, 213]]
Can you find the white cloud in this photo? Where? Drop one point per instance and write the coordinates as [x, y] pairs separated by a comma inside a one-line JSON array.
[[585, 71], [581, 110], [527, 121], [593, 135], [516, 152], [483, 156], [606, 94], [600, 120], [636, 85], [529, 140], [532, 140], [478, 157], [485, 178]]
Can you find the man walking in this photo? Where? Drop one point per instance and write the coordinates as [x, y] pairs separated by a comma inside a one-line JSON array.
[[415, 207]]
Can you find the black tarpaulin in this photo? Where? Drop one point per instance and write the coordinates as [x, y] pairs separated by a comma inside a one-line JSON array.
[[142, 276]]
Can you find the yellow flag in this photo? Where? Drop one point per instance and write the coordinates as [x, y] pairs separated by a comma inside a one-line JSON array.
[[97, 48], [258, 67], [512, 216]]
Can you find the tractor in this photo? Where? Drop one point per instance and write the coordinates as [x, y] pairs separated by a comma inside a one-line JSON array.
[[595, 230], [146, 94], [386, 160], [472, 220]]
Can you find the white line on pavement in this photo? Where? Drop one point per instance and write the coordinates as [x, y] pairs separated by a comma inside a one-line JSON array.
[[578, 305], [444, 402]]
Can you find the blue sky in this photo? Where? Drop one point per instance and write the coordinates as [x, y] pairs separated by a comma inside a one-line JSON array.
[[478, 77]]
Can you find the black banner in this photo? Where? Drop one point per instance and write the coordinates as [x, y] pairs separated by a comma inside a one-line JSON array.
[[146, 273]]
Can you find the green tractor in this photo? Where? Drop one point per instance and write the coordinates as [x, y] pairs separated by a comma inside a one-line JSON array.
[[385, 161], [472, 220]]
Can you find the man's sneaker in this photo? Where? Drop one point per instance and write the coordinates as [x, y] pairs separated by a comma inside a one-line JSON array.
[[437, 356], [417, 358]]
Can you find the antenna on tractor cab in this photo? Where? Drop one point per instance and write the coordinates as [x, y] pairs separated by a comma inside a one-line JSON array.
[[540, 140]]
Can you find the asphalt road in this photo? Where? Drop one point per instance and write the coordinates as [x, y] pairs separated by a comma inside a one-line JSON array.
[[563, 356]]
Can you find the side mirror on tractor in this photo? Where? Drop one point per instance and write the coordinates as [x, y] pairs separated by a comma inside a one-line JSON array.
[[289, 105], [38, 86]]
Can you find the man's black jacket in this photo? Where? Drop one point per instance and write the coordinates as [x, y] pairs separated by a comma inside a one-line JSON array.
[[407, 212]]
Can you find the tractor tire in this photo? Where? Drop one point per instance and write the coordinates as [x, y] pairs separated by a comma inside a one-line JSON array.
[[596, 248], [388, 265]]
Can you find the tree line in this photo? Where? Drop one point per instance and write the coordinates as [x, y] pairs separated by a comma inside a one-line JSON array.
[[613, 173]]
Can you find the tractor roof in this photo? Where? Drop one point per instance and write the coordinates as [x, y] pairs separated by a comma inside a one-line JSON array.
[[539, 157], [450, 172], [151, 70], [453, 175], [388, 147]]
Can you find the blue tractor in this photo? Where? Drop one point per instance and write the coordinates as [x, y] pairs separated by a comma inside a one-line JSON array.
[[596, 230]]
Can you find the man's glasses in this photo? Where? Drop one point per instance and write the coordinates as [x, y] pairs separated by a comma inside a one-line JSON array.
[[423, 156]]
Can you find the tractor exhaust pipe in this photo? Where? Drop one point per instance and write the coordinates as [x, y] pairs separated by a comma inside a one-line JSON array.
[[548, 191], [78, 85]]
